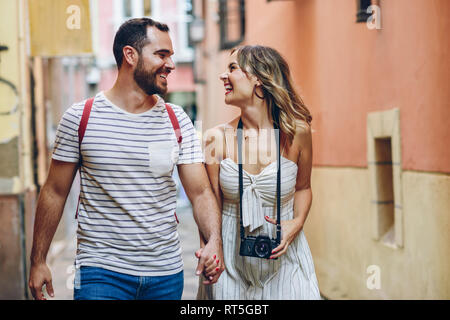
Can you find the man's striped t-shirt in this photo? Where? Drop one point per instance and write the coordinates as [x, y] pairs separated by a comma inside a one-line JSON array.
[[126, 220]]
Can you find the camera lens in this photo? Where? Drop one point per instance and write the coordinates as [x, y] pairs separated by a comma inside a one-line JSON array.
[[262, 247]]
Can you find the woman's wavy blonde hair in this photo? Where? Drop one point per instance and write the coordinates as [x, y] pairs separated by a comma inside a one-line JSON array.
[[273, 72]]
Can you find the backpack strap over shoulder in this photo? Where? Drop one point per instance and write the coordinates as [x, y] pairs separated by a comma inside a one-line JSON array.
[[176, 128], [81, 130], [84, 119], [175, 124]]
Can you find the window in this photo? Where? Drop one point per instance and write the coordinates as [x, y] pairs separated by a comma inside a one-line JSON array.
[[232, 23], [361, 14], [127, 8], [189, 8], [385, 189], [384, 162], [147, 8]]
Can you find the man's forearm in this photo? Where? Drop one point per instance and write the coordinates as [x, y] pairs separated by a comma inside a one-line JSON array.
[[207, 215], [48, 214]]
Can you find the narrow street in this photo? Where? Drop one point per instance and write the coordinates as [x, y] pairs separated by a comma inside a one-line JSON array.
[[61, 264]]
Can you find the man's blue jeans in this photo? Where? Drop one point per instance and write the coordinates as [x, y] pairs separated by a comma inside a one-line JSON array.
[[92, 283]]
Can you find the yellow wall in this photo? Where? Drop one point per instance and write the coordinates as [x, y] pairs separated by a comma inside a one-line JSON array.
[[9, 70], [17, 191], [59, 27], [339, 229], [15, 168]]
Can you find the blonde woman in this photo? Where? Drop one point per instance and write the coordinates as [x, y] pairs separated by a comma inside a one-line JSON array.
[[258, 81]]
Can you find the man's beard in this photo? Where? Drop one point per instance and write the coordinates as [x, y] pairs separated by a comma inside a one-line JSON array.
[[147, 80]]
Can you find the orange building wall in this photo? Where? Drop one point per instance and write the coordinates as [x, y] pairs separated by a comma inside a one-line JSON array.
[[344, 71]]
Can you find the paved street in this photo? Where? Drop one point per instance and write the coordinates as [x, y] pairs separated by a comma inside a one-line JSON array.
[[61, 263]]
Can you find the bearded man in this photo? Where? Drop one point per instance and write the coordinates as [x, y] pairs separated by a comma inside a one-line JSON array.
[[127, 240]]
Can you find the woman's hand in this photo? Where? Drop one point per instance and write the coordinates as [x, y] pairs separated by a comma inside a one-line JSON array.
[[212, 268], [289, 230]]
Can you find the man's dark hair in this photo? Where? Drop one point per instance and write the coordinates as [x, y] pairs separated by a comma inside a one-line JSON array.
[[133, 33]]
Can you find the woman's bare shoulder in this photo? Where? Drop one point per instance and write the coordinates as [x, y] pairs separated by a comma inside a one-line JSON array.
[[303, 133], [302, 126], [214, 131], [214, 142]]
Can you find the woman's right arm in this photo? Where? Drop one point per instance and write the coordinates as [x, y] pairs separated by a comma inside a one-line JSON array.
[[214, 153]]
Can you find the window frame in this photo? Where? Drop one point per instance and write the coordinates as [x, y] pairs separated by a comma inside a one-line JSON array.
[[381, 125], [225, 43], [361, 13]]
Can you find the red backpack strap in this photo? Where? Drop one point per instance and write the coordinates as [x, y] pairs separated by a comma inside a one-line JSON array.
[[175, 124], [176, 128], [81, 130], [84, 119]]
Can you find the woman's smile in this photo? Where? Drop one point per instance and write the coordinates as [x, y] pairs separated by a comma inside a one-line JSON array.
[[228, 88]]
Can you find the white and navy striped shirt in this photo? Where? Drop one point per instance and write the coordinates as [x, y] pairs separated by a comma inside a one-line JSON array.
[[126, 219]]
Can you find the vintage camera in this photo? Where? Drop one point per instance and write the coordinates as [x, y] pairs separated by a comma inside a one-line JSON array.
[[259, 247]]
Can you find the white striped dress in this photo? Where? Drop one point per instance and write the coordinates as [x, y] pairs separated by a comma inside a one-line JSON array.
[[292, 276]]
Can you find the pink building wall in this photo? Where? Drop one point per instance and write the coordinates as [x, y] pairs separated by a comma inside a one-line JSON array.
[[344, 71]]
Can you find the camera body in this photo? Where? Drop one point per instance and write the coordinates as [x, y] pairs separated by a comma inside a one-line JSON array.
[[259, 247]]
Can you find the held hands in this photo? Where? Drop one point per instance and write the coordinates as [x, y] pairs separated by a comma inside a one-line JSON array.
[[210, 261], [40, 275], [289, 231], [211, 256]]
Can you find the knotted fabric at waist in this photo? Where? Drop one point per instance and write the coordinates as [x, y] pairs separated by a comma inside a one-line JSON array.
[[231, 208]]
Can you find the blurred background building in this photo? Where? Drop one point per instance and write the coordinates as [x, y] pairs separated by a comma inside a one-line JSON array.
[[374, 75], [53, 54]]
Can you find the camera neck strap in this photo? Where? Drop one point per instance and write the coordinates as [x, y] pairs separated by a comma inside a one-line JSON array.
[[241, 184]]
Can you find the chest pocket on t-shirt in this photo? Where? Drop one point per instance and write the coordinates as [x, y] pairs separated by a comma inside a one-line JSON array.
[[163, 155]]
